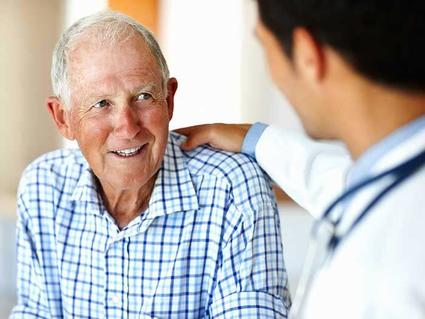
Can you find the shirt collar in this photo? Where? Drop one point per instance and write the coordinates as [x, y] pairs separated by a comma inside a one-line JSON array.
[[173, 190], [86, 188], [364, 166]]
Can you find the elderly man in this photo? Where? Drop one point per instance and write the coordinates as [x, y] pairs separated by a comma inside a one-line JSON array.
[[129, 226]]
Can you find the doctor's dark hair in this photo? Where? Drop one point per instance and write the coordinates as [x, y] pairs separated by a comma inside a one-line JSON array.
[[382, 39]]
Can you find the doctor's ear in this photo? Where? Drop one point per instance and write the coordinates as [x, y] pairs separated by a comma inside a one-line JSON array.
[[60, 115], [172, 86], [308, 55]]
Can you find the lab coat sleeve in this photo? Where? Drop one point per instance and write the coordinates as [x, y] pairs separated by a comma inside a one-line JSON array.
[[311, 173]]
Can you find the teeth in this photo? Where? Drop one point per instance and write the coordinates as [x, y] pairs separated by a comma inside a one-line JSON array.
[[128, 151]]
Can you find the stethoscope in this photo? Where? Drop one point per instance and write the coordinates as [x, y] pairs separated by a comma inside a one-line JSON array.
[[399, 173]]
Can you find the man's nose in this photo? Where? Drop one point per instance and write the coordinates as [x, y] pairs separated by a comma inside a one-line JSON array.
[[127, 122]]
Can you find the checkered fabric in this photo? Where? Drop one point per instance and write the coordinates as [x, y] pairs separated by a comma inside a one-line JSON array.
[[208, 246]]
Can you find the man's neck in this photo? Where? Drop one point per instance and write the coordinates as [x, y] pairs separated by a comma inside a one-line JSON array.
[[125, 205], [376, 114]]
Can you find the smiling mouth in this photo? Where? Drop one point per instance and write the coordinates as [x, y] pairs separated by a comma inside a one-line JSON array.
[[129, 152]]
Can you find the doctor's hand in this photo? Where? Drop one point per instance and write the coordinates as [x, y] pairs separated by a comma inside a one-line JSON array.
[[228, 137]]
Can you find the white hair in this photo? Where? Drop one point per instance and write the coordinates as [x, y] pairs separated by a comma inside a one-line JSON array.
[[105, 26]]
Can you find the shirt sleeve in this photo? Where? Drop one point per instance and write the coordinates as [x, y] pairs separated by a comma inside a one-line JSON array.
[[31, 295], [251, 138], [252, 279], [312, 173]]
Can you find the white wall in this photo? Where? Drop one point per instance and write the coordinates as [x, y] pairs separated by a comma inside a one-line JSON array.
[[201, 42], [76, 9], [211, 49]]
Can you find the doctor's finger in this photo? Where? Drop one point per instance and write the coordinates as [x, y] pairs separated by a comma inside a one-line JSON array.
[[228, 137], [196, 136]]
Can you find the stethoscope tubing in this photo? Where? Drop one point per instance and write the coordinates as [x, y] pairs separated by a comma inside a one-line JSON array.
[[400, 172]]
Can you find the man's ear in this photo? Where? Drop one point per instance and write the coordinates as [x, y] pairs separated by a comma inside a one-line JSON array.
[[172, 85], [308, 55], [60, 116]]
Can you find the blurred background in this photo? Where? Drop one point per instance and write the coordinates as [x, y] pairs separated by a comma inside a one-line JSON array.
[[210, 48]]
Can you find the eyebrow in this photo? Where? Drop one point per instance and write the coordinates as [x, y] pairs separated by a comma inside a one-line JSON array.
[[154, 88], [151, 87], [148, 87], [89, 100]]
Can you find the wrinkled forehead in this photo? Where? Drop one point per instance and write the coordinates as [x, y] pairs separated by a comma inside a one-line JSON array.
[[92, 56], [96, 39]]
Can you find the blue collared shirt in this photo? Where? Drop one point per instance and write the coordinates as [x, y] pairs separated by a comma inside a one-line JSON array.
[[209, 244]]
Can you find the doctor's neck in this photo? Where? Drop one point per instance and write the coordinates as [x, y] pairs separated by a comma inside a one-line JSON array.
[[374, 112]]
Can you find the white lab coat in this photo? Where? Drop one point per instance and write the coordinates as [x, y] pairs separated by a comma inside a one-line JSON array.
[[379, 270]]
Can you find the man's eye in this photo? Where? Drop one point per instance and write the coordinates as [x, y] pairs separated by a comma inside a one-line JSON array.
[[100, 104], [144, 97]]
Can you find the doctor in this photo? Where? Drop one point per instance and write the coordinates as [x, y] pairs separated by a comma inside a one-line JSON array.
[[354, 71]]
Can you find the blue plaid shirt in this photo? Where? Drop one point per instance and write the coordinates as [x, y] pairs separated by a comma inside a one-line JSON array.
[[209, 244]]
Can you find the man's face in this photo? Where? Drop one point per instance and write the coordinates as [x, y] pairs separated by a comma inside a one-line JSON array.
[[119, 111], [291, 83]]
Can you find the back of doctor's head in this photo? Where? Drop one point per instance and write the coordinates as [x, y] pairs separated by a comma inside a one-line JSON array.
[[382, 39]]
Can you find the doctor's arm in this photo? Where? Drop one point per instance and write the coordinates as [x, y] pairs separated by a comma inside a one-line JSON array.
[[311, 173]]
